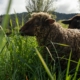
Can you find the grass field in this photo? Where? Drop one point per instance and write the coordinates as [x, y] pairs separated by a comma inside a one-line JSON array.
[[20, 58]]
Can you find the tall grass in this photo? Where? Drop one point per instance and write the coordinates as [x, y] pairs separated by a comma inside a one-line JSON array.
[[19, 60]]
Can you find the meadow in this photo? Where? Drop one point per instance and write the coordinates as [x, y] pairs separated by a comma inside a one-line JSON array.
[[21, 58]]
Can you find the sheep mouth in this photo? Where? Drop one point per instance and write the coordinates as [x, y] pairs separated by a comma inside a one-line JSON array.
[[26, 34], [22, 34]]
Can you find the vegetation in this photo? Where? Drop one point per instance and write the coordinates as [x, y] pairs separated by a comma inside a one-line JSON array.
[[20, 58], [40, 5]]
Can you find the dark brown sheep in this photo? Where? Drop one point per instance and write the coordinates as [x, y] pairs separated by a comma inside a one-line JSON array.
[[73, 22], [48, 31]]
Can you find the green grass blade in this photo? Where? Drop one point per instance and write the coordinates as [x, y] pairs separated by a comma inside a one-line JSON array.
[[68, 65], [77, 68], [6, 17], [4, 24], [44, 64]]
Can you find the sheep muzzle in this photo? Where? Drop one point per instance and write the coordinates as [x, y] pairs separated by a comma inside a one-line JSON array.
[[26, 30]]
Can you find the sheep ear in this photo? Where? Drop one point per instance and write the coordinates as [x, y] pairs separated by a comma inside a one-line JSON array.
[[66, 22], [50, 21]]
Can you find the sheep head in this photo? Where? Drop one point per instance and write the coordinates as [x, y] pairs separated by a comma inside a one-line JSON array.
[[36, 24], [73, 22]]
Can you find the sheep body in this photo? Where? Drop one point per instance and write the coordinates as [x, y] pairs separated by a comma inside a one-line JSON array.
[[47, 30]]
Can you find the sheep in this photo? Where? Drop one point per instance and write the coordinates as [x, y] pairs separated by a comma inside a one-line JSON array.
[[49, 32], [73, 22]]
